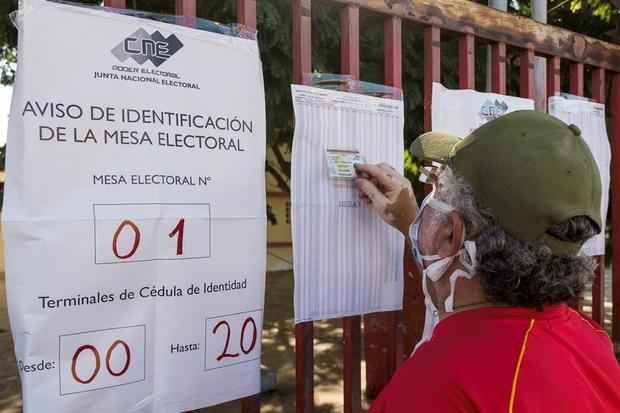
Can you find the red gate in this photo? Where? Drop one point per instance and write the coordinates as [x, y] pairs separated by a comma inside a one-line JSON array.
[[389, 337]]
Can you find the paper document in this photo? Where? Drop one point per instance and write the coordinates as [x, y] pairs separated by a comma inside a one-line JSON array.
[[347, 260], [134, 214], [460, 112], [590, 118]]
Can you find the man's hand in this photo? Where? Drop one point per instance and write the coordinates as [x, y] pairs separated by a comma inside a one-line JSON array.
[[390, 193]]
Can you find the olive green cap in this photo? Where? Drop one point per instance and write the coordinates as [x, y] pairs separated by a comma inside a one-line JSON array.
[[530, 169]]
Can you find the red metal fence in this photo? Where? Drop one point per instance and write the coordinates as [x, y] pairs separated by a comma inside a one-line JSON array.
[[389, 337]]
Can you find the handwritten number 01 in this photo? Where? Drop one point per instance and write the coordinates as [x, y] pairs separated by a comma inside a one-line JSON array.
[[225, 352], [178, 230], [136, 239]]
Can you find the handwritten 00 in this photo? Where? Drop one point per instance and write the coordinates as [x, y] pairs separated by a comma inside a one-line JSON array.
[[95, 352]]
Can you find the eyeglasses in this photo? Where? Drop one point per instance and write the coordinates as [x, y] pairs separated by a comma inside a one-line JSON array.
[[429, 173]]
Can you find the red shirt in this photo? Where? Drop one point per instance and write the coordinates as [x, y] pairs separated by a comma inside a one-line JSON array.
[[508, 359]]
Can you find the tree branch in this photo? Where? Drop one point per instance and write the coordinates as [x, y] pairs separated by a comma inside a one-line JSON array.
[[285, 165], [282, 183]]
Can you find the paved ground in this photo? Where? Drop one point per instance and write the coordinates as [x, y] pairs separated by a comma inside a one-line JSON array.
[[278, 353]]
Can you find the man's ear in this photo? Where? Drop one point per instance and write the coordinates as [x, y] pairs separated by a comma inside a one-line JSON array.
[[451, 235]]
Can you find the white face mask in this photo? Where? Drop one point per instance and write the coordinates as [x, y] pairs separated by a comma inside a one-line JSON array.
[[466, 255]]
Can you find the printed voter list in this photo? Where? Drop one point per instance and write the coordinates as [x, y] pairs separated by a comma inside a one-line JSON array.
[[347, 261], [134, 215]]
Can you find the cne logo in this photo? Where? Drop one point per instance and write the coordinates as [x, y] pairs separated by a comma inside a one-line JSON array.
[[141, 46], [491, 110]]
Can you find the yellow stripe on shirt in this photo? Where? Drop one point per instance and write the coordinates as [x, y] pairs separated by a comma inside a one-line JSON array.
[[515, 378]]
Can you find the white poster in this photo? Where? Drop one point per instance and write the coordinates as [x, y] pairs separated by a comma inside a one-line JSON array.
[[347, 261], [134, 214], [590, 118], [460, 112]]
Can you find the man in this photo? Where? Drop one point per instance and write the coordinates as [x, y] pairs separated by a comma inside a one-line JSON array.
[[497, 246]]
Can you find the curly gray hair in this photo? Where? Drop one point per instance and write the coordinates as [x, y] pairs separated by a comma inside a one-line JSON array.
[[512, 271]]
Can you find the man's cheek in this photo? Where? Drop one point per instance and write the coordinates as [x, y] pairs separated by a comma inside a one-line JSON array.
[[425, 239]]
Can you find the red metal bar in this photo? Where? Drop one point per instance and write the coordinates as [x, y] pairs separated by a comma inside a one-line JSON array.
[[598, 284], [302, 44], [304, 368], [598, 84], [392, 34], [383, 340], [598, 289], [392, 28], [527, 74], [553, 75], [378, 351], [350, 40], [352, 348], [251, 404], [432, 69], [246, 13], [304, 332], [117, 4], [615, 206], [186, 12], [413, 307], [498, 68], [576, 79], [398, 328], [576, 88], [466, 61]]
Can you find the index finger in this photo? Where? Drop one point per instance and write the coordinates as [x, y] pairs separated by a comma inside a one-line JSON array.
[[372, 192], [381, 175]]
